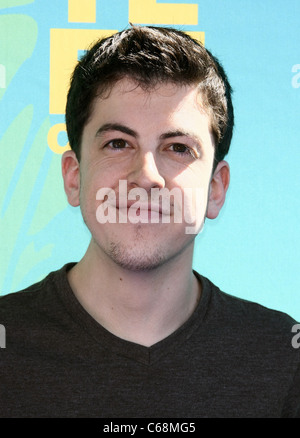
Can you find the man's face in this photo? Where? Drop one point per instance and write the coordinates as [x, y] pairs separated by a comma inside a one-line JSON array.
[[159, 139]]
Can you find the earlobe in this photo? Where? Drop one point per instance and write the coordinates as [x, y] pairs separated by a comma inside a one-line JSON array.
[[218, 188], [71, 177]]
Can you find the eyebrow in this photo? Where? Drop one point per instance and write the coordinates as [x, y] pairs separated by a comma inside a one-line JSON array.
[[178, 133], [116, 127]]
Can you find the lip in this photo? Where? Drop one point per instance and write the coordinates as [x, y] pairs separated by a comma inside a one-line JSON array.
[[143, 207]]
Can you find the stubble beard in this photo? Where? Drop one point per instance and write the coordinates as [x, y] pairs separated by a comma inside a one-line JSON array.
[[137, 255], [146, 251], [142, 253]]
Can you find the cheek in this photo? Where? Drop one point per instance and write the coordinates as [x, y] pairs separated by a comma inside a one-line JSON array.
[[196, 178], [194, 185], [96, 176]]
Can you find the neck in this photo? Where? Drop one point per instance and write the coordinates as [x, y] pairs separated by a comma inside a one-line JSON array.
[[139, 306]]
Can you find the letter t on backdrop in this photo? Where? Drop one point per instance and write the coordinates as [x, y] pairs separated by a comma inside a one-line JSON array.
[[149, 11], [79, 14]]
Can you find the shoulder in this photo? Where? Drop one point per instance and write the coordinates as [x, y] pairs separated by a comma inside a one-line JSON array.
[[251, 327], [17, 306], [18, 302], [261, 344], [245, 313]]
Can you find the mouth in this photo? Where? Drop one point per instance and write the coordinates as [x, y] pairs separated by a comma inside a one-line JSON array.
[[145, 212], [151, 207], [119, 206]]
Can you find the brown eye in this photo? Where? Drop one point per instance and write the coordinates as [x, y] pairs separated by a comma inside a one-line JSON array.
[[180, 148], [118, 144]]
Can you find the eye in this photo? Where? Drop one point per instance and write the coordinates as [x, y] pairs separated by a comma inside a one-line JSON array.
[[118, 143], [183, 150], [180, 148]]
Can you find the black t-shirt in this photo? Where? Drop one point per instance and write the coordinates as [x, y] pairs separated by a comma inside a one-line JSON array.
[[232, 358]]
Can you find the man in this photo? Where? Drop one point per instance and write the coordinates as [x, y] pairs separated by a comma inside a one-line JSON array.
[[130, 330]]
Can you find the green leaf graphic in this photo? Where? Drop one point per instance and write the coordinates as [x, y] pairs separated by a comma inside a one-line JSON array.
[[30, 204], [13, 30], [52, 198], [13, 3], [21, 124]]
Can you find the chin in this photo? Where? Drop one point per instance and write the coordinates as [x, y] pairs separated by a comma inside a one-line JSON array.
[[141, 249], [136, 259]]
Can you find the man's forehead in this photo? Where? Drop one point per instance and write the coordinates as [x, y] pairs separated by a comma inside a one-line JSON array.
[[171, 95], [128, 84]]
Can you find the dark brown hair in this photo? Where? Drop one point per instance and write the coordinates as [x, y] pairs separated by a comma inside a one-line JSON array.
[[150, 55]]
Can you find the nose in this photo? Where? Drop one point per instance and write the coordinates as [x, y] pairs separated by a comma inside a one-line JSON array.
[[145, 173]]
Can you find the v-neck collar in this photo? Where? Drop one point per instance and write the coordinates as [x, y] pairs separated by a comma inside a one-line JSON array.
[[119, 346]]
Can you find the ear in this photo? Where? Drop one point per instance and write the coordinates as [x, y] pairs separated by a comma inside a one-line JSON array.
[[217, 191], [71, 177]]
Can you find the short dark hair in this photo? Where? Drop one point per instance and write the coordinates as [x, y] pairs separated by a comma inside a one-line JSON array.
[[150, 55]]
